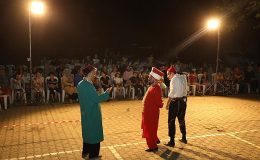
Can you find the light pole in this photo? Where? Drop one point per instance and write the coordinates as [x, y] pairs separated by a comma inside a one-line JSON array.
[[214, 24], [35, 7]]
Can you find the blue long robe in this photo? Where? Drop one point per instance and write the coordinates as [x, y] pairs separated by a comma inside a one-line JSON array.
[[91, 118]]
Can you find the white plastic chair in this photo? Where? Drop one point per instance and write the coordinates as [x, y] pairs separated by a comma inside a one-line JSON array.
[[5, 97], [14, 92], [63, 93], [48, 91], [201, 85], [42, 94], [192, 86], [115, 90], [131, 91], [248, 88]]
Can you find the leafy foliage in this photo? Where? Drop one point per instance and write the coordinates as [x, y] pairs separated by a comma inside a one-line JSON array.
[[237, 11]]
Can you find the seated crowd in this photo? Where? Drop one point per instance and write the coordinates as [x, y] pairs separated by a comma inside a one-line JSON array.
[[54, 81]]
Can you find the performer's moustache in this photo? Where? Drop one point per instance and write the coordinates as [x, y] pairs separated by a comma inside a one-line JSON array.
[[150, 81]]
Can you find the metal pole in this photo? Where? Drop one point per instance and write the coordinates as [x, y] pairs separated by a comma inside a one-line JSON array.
[[218, 50], [30, 58]]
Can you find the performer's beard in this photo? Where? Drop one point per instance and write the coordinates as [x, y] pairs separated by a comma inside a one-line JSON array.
[[152, 81]]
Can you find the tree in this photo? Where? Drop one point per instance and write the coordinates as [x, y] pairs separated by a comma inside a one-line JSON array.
[[237, 11]]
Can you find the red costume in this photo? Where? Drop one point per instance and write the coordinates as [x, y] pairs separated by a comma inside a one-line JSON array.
[[150, 116]]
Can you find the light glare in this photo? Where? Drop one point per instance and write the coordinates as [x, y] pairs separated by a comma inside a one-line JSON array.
[[213, 24], [37, 7]]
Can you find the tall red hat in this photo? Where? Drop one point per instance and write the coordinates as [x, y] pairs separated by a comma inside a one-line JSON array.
[[156, 73], [171, 69]]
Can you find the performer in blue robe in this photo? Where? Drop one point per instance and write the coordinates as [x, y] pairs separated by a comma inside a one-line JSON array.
[[91, 118]]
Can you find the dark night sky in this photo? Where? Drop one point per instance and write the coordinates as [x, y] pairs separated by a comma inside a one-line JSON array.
[[80, 24]]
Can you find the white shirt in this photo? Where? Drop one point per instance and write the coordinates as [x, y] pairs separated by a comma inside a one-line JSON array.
[[178, 86]]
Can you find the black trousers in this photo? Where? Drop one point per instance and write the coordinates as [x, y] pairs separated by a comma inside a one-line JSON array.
[[91, 149], [177, 109]]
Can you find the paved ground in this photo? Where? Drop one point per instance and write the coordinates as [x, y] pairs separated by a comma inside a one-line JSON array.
[[218, 128]]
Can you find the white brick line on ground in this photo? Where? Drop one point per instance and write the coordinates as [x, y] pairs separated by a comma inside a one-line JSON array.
[[220, 134], [44, 155], [115, 153], [245, 141]]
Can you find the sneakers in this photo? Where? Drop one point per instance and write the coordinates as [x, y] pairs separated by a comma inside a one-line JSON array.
[[152, 150], [183, 140], [170, 144]]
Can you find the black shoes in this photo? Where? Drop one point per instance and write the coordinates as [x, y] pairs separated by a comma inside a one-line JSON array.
[[152, 150], [84, 156], [170, 144], [96, 158], [183, 140]]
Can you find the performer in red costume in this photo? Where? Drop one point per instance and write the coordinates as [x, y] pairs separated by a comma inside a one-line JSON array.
[[152, 103]]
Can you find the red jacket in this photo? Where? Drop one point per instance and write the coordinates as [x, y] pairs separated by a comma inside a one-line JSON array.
[[150, 116]]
